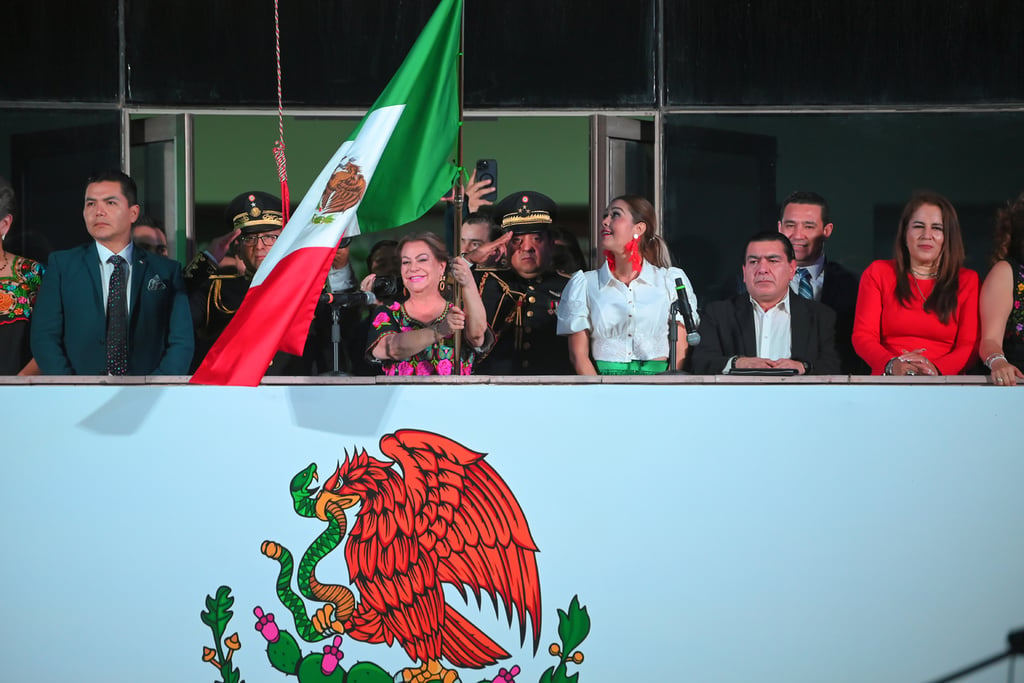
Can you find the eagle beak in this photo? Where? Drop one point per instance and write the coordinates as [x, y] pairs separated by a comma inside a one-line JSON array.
[[348, 501]]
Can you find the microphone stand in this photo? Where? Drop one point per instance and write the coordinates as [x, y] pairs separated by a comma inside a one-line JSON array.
[[1015, 640], [336, 340], [673, 338]]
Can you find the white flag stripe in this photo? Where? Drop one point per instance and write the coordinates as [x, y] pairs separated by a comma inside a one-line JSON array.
[[301, 231]]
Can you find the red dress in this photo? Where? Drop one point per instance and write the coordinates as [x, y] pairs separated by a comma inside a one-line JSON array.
[[884, 327]]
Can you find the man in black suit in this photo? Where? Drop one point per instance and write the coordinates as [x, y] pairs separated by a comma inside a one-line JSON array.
[[108, 308], [805, 221], [767, 329]]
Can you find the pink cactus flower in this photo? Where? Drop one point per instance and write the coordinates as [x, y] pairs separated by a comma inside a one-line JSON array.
[[332, 655], [507, 675], [266, 626]]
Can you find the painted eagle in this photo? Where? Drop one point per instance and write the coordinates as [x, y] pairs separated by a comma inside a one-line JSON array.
[[445, 517], [344, 189]]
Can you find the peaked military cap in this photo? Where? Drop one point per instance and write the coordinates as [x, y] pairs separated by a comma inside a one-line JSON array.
[[254, 212], [526, 212]]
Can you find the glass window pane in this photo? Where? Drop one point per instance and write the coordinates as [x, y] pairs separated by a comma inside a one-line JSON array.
[[726, 176], [52, 153], [60, 50], [897, 52]]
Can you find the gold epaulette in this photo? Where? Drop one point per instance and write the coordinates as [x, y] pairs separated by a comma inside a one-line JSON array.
[[213, 297]]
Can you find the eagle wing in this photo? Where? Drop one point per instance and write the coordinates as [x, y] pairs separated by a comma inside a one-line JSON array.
[[466, 516]]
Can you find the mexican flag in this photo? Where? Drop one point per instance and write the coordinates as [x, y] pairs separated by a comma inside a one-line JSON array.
[[396, 165]]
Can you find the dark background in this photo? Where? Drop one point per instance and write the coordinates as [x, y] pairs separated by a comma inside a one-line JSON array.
[[704, 64]]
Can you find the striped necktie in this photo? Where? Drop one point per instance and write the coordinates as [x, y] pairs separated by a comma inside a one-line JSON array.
[[117, 319], [804, 288]]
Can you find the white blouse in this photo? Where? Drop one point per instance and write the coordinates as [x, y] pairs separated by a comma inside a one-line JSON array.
[[626, 322]]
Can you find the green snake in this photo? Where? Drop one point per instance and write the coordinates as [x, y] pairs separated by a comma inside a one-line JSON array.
[[306, 498]]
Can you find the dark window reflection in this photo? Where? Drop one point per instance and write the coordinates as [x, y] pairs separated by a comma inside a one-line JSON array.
[[52, 154], [896, 52], [531, 53], [726, 174], [59, 50]]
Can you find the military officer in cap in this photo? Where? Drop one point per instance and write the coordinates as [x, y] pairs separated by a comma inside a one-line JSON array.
[[255, 221], [521, 301]]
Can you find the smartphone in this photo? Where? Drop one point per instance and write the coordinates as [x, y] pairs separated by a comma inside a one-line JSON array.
[[487, 169]]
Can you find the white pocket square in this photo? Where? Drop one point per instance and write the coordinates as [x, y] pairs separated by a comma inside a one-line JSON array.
[[156, 284]]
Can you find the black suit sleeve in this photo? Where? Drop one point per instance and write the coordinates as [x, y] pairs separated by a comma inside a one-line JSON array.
[[827, 362], [710, 357]]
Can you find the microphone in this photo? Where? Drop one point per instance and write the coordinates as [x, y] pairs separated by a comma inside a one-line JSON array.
[[348, 299], [692, 335]]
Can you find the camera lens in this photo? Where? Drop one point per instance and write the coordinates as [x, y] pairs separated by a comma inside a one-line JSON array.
[[385, 286]]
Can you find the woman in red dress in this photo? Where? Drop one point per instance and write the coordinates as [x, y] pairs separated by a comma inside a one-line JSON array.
[[918, 313]]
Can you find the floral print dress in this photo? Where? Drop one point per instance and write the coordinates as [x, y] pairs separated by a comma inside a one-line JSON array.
[[17, 297], [1013, 341], [436, 359]]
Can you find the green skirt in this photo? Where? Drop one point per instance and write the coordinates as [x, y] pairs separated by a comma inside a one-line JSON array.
[[634, 367]]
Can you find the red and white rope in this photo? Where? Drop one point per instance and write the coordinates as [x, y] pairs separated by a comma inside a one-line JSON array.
[[282, 164]]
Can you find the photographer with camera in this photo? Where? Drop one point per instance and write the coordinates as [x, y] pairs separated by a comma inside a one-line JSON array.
[[352, 305]]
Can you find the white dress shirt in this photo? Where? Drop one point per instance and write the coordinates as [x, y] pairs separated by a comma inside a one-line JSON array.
[[626, 322], [342, 279], [107, 269], [772, 330]]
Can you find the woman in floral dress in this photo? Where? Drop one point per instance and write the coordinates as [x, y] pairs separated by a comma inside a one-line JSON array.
[[1002, 299], [416, 337], [19, 282]]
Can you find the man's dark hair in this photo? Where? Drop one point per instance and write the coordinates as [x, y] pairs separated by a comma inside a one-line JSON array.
[[771, 236], [479, 218], [128, 188], [801, 197], [382, 244], [151, 221], [6, 198]]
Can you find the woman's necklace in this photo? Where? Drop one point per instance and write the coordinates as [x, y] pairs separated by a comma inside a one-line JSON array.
[[7, 258], [923, 276], [918, 287]]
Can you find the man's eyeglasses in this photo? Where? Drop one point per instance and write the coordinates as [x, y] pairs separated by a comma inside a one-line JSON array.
[[268, 239]]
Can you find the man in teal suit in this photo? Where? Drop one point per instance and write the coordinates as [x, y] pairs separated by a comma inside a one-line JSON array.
[[107, 308]]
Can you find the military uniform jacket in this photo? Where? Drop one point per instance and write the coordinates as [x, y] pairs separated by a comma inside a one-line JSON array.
[[214, 298], [522, 314]]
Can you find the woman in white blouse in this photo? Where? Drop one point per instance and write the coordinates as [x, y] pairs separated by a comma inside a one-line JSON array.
[[616, 317]]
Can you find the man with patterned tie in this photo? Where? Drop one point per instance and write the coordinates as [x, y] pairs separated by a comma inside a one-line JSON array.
[[806, 222], [107, 308], [767, 329]]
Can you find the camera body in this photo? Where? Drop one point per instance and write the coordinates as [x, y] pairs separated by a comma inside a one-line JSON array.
[[385, 287]]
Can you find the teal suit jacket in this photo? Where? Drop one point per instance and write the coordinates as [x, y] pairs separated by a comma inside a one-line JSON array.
[[69, 319]]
